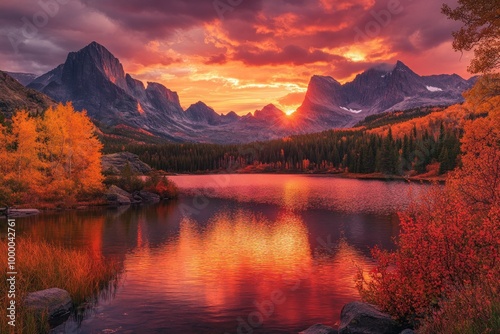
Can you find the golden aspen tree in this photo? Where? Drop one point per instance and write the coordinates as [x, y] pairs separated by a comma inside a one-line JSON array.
[[25, 163], [72, 151]]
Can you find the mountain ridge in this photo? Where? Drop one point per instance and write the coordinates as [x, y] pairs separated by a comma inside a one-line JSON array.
[[95, 80]]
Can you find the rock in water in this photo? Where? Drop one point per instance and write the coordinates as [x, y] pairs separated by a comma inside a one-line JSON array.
[[148, 197], [19, 213], [319, 329], [362, 318], [117, 196], [56, 302]]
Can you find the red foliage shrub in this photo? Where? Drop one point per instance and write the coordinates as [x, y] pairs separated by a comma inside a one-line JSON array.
[[443, 247], [162, 186]]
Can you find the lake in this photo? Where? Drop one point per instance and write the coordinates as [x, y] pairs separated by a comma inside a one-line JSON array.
[[235, 254]]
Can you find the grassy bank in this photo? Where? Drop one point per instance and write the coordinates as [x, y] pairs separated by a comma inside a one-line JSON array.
[[42, 266]]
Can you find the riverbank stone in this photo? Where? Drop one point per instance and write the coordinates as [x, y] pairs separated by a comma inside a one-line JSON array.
[[362, 318], [148, 197], [19, 213], [56, 302], [117, 196], [320, 329]]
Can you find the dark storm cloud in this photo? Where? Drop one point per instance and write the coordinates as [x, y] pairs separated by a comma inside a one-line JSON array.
[[257, 32]]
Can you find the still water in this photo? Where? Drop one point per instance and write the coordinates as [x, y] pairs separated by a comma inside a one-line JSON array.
[[235, 254]]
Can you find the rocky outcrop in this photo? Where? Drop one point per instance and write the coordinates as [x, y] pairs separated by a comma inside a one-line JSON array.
[[56, 303], [118, 197], [319, 329], [362, 318], [147, 197], [116, 163]]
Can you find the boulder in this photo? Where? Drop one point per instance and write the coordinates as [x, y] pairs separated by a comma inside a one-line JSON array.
[[115, 163], [319, 329], [362, 318], [55, 302], [148, 197], [117, 196]]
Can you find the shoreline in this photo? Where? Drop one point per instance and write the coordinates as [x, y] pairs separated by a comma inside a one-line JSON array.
[[352, 176], [86, 205]]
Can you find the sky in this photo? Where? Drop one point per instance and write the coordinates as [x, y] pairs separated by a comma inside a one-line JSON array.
[[234, 55]]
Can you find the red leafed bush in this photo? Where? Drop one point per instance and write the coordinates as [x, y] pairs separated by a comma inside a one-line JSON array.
[[443, 248], [162, 186]]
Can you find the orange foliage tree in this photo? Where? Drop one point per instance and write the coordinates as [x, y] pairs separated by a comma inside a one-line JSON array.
[[72, 151], [53, 158], [25, 159]]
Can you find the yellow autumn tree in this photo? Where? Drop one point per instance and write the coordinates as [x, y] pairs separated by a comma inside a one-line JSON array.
[[73, 153], [25, 158], [21, 162]]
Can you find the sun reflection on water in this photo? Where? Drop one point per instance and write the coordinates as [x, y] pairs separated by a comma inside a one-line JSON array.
[[240, 258]]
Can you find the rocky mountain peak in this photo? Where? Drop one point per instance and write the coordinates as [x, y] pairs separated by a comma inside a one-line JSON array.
[[269, 111], [96, 56], [161, 92], [200, 112]]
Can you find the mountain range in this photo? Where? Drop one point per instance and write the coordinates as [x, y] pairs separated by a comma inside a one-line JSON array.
[[14, 96], [94, 79]]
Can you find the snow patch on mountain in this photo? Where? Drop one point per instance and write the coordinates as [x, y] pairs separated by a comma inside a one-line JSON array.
[[351, 110], [433, 89]]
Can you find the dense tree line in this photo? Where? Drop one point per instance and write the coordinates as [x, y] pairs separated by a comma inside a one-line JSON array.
[[356, 151]]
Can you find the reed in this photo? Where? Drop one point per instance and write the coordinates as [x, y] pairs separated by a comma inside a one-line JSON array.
[[41, 266]]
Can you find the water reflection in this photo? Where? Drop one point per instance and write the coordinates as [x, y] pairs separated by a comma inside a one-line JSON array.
[[233, 250], [208, 272]]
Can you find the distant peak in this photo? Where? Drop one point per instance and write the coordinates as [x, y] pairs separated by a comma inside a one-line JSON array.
[[201, 104], [95, 46], [401, 65], [324, 78], [269, 110], [270, 106]]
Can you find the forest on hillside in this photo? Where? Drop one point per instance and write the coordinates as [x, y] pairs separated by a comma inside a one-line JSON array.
[[359, 150]]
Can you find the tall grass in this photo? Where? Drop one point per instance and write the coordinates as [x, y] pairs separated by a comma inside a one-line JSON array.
[[475, 310], [42, 266]]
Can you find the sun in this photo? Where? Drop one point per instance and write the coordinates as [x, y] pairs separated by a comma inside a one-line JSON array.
[[289, 112]]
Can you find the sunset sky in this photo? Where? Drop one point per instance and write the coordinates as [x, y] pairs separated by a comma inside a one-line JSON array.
[[234, 54]]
